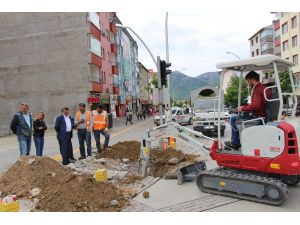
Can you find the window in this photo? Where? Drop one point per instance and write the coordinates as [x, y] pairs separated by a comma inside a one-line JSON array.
[[103, 53], [252, 54], [284, 28], [94, 45], [94, 19], [294, 41], [256, 39], [285, 45], [104, 76], [295, 59], [252, 42], [257, 52], [101, 75], [94, 73], [294, 22]]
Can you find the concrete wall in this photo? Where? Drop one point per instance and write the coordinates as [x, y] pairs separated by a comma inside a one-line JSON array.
[[44, 62]]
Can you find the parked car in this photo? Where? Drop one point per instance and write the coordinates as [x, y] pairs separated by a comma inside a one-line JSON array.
[[178, 115]]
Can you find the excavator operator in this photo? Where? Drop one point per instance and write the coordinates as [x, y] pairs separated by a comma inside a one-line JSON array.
[[256, 108]]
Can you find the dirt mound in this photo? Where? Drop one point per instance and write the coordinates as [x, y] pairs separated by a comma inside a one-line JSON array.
[[80, 193], [124, 150], [160, 161], [28, 173], [60, 189]]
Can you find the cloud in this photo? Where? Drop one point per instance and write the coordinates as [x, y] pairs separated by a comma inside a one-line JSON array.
[[197, 41]]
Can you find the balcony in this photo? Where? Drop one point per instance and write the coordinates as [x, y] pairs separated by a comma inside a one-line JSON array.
[[116, 90], [276, 25], [96, 60], [112, 27], [95, 31], [114, 48], [277, 42], [97, 87], [115, 70]]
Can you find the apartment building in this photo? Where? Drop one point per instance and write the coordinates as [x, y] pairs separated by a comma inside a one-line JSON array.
[[52, 60], [261, 43], [144, 86], [129, 68], [290, 32]]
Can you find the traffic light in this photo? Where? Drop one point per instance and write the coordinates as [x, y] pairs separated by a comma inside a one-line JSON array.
[[164, 72]]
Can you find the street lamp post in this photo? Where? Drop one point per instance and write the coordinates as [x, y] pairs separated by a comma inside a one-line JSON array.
[[234, 54], [129, 28]]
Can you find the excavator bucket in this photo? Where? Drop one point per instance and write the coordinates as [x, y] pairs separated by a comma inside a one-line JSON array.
[[190, 172]]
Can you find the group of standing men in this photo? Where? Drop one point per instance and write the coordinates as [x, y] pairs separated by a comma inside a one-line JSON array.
[[85, 122]]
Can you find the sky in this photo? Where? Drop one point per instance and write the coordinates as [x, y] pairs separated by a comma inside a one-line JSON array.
[[200, 31], [197, 40]]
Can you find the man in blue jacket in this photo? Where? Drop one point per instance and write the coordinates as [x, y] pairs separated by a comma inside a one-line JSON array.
[[21, 125], [64, 125]]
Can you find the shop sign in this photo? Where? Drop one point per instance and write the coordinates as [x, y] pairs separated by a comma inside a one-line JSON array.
[[93, 100]]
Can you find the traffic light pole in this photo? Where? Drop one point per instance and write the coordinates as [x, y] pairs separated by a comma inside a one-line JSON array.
[[159, 90]]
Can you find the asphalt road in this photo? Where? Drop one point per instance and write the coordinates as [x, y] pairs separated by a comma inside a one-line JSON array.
[[166, 195]]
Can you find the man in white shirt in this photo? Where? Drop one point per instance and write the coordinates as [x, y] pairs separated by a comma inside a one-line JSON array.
[[64, 124]]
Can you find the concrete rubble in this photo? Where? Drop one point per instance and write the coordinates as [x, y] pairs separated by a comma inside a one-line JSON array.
[[35, 192]]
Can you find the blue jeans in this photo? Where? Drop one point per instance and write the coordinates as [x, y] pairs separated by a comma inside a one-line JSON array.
[[24, 144], [83, 135], [39, 145], [235, 137], [97, 139]]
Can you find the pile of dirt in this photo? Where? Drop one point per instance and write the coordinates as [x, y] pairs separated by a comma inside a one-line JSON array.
[[160, 161], [61, 190], [81, 193], [124, 150]]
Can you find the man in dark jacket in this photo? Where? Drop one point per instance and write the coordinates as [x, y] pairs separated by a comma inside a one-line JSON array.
[[257, 108], [64, 125], [21, 125]]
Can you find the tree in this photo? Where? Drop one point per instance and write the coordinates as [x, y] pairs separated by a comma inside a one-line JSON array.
[[232, 91], [179, 103], [155, 80], [285, 82]]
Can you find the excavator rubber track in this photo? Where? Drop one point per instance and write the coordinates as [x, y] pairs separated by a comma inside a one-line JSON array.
[[251, 187]]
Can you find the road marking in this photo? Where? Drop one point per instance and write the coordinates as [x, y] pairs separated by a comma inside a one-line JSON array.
[[58, 157]]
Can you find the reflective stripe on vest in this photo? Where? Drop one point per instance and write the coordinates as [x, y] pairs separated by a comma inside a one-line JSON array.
[[99, 121], [88, 118]]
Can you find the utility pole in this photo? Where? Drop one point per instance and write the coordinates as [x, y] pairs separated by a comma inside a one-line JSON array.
[[167, 55]]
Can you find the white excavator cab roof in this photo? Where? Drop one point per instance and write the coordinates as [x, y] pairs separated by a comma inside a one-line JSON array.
[[263, 62]]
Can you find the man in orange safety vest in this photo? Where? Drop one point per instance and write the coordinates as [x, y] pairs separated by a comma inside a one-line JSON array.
[[100, 120]]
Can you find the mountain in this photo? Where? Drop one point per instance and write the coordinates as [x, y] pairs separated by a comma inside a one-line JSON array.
[[182, 85]]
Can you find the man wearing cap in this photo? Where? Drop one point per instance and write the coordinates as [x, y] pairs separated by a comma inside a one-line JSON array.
[[84, 123], [100, 120], [21, 125]]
